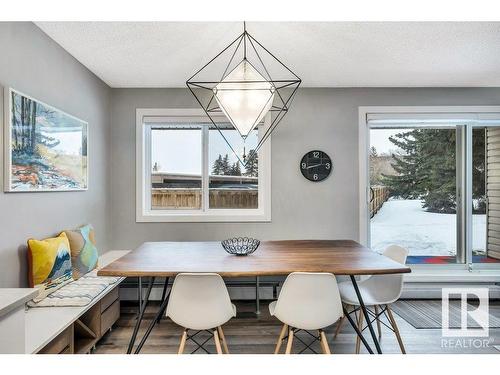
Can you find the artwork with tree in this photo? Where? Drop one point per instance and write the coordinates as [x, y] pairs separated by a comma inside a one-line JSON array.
[[48, 148]]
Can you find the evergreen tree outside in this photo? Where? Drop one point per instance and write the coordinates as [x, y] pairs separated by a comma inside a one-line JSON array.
[[222, 167], [235, 169], [225, 166], [217, 166], [252, 164], [426, 169]]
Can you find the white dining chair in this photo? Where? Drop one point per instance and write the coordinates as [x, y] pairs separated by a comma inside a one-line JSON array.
[[200, 302], [378, 292], [308, 302]]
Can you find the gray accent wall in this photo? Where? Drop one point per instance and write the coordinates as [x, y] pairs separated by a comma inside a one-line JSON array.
[[325, 119], [34, 64]]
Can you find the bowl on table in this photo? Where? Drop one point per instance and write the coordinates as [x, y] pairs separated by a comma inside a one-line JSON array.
[[240, 245]]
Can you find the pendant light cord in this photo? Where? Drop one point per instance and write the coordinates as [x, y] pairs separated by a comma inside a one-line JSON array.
[[244, 40]]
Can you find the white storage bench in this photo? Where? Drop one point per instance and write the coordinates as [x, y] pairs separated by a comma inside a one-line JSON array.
[[68, 330]]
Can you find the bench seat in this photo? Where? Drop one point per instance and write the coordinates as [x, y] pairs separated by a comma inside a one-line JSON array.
[[44, 324]]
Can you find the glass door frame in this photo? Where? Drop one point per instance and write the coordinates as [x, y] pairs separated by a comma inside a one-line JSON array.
[[471, 265], [464, 119]]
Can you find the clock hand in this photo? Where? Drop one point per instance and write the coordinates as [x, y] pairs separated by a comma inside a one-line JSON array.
[[315, 165]]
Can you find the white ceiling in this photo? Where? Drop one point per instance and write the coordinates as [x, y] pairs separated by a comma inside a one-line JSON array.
[[345, 54]]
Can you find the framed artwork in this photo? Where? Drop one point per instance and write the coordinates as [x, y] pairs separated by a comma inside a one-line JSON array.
[[46, 149]]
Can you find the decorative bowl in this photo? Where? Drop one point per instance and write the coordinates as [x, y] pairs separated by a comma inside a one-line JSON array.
[[240, 245]]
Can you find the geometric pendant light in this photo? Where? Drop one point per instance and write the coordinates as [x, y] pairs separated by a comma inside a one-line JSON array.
[[241, 85]]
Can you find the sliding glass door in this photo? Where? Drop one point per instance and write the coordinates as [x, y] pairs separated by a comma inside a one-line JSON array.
[[434, 188], [415, 175]]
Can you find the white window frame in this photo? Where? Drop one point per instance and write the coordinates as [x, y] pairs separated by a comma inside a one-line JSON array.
[[144, 213]]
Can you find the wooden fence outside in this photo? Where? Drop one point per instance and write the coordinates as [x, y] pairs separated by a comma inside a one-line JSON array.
[[191, 198], [378, 195], [227, 198], [235, 198]]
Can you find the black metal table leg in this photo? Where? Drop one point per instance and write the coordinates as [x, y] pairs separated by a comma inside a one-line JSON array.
[[139, 297], [141, 314], [158, 316], [257, 295], [163, 295], [365, 312], [358, 332]]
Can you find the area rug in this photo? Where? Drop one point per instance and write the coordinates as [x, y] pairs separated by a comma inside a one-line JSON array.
[[445, 259], [426, 314]]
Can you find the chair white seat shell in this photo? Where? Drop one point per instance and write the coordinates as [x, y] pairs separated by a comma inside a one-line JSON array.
[[307, 301], [378, 291], [272, 307], [199, 301]]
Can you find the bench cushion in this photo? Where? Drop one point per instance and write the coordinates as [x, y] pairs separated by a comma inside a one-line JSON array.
[[78, 293]]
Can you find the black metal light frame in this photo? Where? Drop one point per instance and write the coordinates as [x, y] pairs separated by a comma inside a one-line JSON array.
[[285, 89]]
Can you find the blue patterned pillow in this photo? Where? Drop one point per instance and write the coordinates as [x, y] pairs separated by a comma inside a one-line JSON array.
[[84, 254]]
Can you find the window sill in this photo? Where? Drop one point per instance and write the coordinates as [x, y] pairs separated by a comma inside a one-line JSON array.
[[212, 217]]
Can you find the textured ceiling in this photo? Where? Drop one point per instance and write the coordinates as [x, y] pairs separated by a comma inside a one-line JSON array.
[[338, 54]]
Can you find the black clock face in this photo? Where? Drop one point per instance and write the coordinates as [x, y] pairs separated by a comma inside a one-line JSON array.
[[316, 166]]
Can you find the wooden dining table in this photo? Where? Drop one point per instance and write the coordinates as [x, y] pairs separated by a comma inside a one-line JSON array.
[[272, 258]]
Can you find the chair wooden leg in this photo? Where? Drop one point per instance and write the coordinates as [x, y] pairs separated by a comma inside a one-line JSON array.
[[339, 326], [223, 339], [379, 327], [280, 338], [360, 327], [290, 341], [324, 343], [217, 342], [183, 342], [396, 329]]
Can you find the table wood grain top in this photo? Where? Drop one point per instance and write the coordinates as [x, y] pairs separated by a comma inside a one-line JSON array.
[[340, 257]]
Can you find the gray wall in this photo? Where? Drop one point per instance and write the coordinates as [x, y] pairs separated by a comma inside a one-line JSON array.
[[34, 64], [319, 118]]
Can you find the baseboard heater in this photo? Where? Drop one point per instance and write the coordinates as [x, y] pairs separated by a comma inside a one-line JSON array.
[[269, 288], [238, 289]]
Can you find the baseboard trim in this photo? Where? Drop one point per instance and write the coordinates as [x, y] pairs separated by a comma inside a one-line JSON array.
[[434, 290]]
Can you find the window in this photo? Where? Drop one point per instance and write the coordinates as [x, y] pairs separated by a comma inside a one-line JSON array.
[[230, 185], [176, 167], [187, 172]]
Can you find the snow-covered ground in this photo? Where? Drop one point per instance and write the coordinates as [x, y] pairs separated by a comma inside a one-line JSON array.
[[406, 223]]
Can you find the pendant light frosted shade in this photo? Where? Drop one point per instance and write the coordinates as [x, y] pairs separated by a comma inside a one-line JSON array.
[[245, 97]]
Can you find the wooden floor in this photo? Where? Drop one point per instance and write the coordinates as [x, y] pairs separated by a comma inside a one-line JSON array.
[[250, 334]]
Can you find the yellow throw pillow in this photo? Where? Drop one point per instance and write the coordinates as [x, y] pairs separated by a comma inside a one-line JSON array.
[[49, 263]]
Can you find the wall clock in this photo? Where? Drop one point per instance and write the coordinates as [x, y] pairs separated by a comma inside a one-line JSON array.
[[316, 166]]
